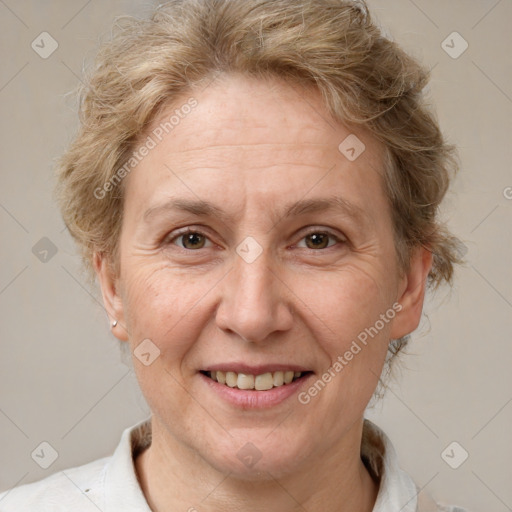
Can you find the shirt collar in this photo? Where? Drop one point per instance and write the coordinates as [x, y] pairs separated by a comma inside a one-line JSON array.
[[397, 490], [122, 488]]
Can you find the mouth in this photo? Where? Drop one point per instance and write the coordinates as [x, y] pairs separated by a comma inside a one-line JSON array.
[[260, 382]]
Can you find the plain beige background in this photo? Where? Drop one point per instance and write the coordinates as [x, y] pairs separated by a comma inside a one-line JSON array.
[[61, 376]]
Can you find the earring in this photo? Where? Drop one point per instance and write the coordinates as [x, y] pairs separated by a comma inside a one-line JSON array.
[[114, 323]]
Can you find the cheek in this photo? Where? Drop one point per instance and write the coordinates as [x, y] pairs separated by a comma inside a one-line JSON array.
[[342, 304], [163, 306], [350, 331]]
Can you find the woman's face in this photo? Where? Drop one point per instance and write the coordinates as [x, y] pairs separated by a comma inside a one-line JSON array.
[[289, 260]]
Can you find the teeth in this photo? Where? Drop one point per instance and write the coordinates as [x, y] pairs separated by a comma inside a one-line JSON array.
[[231, 379], [245, 381], [261, 382], [264, 382], [278, 378]]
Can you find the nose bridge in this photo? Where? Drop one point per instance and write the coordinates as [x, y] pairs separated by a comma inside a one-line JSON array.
[[252, 304], [253, 280]]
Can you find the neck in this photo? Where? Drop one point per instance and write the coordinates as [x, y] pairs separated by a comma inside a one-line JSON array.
[[174, 478]]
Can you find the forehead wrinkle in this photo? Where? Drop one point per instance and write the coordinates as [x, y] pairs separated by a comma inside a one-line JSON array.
[[255, 156], [274, 145], [203, 208]]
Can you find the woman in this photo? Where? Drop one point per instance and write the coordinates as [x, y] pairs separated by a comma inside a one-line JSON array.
[[255, 186]]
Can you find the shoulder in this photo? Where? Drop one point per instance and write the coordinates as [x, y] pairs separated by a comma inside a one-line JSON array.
[[110, 482], [78, 488], [396, 487]]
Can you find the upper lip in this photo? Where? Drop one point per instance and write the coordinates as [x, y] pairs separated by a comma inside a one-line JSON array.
[[256, 369]]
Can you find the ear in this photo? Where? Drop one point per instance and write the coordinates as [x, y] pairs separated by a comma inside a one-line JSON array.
[[111, 298], [411, 293]]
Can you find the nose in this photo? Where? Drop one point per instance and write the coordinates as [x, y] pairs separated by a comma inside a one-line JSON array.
[[254, 302]]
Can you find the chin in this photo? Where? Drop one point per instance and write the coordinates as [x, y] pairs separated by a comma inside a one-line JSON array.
[[254, 456]]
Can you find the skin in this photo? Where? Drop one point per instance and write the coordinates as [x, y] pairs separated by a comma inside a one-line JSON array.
[[250, 147]]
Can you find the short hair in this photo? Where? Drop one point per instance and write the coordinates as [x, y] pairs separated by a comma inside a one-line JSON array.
[[365, 79]]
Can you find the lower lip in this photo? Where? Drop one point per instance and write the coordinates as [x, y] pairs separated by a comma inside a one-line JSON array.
[[252, 399]]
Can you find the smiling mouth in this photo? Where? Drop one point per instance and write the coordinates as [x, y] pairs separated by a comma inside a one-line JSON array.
[[262, 382]]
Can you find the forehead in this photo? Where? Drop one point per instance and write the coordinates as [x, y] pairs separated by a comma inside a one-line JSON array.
[[243, 110], [250, 137]]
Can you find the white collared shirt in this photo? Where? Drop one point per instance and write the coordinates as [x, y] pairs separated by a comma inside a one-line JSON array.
[[110, 484]]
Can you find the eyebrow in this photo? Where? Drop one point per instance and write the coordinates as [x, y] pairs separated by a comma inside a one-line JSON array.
[[202, 208]]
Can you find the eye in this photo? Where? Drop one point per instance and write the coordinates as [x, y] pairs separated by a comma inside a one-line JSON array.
[[190, 240], [319, 240], [194, 240]]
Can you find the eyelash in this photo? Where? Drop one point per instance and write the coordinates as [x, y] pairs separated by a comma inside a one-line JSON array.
[[188, 231]]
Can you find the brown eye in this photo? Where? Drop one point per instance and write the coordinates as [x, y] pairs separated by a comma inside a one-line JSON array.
[[319, 240], [191, 240]]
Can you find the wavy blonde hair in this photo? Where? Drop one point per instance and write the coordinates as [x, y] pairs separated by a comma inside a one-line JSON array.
[[332, 45]]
